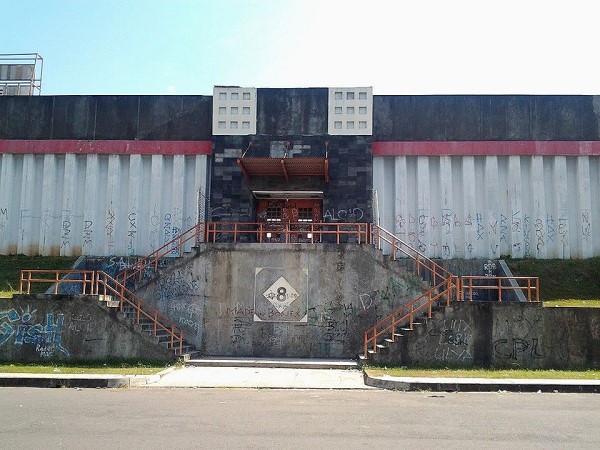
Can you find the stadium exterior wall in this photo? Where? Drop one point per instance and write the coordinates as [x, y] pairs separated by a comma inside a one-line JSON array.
[[456, 176], [449, 206], [72, 204]]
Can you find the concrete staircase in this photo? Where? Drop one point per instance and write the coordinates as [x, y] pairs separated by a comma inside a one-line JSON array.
[[148, 327]]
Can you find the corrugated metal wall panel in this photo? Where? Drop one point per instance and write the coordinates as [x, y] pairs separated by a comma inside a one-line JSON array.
[[491, 206], [96, 204]]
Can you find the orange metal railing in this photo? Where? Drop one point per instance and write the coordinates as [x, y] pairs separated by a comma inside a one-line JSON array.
[[106, 285], [444, 288], [287, 232], [405, 315], [100, 283], [173, 247], [256, 231], [423, 263], [468, 284], [83, 278]]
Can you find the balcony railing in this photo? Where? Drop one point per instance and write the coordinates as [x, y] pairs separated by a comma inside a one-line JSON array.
[[288, 233]]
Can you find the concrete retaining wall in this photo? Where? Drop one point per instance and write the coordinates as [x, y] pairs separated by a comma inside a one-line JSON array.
[[502, 335], [41, 328], [281, 300]]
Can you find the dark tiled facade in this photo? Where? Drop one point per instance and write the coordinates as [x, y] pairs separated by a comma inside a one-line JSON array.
[[347, 197]]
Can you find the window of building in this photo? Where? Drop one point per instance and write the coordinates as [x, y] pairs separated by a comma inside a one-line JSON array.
[[222, 110], [245, 125], [338, 109], [350, 110], [305, 215], [222, 124], [246, 95], [246, 110], [234, 125], [337, 95], [234, 110], [362, 109], [222, 95], [349, 95], [235, 96], [362, 95], [350, 125], [273, 213], [362, 124], [337, 125]]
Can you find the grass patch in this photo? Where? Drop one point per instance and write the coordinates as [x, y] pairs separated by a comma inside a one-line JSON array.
[[484, 373], [573, 302], [10, 271], [561, 278], [101, 368]]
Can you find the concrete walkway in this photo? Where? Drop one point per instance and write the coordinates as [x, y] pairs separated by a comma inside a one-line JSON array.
[[263, 377], [273, 373]]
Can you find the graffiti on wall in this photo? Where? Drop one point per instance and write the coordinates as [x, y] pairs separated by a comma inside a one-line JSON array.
[[177, 284], [453, 340], [22, 329], [132, 230], [390, 294], [517, 339], [240, 318], [333, 320], [351, 214], [186, 315], [515, 232], [3, 219], [81, 323]]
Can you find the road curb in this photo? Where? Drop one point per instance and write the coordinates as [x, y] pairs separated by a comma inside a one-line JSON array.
[[79, 381], [481, 385]]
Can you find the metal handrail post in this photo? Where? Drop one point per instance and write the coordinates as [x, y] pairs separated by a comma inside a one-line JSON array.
[[499, 290]]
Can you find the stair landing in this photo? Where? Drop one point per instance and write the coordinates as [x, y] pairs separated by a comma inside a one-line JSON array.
[[281, 363]]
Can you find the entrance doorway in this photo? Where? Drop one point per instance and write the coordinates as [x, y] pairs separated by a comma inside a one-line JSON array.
[[293, 215]]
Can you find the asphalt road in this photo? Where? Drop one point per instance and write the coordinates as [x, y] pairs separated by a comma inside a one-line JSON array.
[[309, 419]]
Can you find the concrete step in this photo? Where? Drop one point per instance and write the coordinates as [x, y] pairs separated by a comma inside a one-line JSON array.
[[290, 363]]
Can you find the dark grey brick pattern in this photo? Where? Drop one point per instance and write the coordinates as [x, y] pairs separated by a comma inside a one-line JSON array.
[[347, 197]]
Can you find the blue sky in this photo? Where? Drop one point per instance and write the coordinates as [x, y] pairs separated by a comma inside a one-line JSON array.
[[398, 47]]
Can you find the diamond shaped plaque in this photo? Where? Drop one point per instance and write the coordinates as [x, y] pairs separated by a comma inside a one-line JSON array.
[[281, 294]]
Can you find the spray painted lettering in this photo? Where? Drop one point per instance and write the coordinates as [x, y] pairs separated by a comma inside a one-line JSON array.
[[45, 337]]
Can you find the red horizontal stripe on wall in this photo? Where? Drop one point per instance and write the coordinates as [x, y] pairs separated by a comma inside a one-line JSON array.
[[107, 147], [458, 148]]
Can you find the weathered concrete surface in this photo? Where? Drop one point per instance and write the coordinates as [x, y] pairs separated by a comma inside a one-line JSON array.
[[230, 300], [61, 328], [502, 335]]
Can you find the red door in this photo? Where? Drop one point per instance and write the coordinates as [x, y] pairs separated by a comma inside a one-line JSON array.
[[281, 216]]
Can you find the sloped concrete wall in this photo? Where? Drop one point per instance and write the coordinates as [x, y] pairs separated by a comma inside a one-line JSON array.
[[37, 328], [503, 335], [276, 300]]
